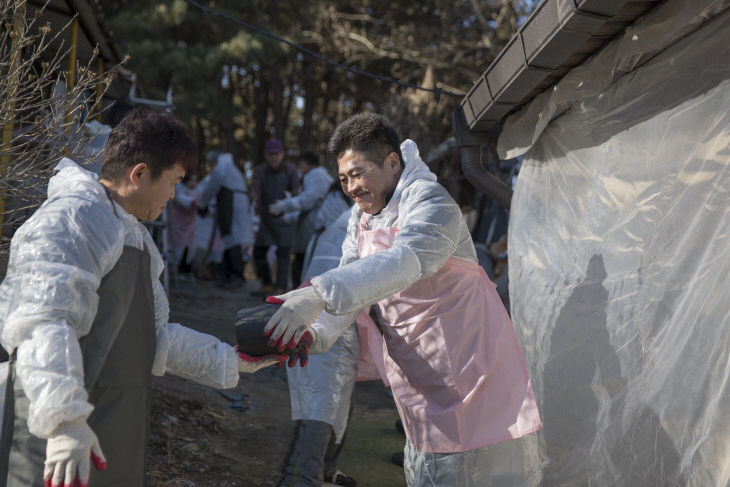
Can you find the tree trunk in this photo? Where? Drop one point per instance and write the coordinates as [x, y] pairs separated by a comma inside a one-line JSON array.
[[277, 105], [261, 101], [227, 129], [310, 100], [288, 105]]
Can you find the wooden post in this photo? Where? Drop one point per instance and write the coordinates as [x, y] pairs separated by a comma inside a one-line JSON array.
[[71, 79], [12, 88]]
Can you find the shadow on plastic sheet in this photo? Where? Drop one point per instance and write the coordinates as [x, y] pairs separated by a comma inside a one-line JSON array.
[[632, 447]]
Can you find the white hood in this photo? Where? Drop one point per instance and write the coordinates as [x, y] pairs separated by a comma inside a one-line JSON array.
[[414, 170], [71, 177]]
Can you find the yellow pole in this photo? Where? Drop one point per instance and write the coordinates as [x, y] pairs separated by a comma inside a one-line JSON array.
[[99, 88], [71, 79], [12, 87]]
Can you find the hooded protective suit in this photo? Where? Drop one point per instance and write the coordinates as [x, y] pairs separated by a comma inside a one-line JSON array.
[[207, 234], [321, 391], [49, 301], [315, 185], [452, 357], [225, 176]]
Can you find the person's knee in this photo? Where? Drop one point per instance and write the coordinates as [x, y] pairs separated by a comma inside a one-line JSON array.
[[282, 252]]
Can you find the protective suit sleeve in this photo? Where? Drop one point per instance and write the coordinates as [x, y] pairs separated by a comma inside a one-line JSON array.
[[316, 184], [429, 225], [49, 300], [214, 185], [185, 352], [349, 245], [328, 328], [196, 356], [51, 372]]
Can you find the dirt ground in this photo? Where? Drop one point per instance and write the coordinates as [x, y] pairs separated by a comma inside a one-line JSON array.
[[202, 437]]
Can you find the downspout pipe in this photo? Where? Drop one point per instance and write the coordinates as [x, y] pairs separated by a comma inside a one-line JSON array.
[[470, 149]]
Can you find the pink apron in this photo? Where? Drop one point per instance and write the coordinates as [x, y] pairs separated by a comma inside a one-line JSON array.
[[371, 365], [457, 386], [181, 226]]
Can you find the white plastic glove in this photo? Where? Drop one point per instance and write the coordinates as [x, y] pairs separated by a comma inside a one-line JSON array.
[[250, 364], [276, 208], [301, 307], [68, 453]]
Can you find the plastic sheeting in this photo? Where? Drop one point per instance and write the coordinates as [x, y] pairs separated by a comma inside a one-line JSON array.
[[649, 35], [619, 244]]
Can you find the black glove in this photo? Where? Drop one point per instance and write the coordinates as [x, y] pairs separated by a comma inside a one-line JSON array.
[[203, 211]]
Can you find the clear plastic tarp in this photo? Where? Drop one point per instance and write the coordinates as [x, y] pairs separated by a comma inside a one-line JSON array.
[[619, 243]]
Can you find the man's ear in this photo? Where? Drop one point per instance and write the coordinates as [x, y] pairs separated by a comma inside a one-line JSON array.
[[392, 162], [137, 172]]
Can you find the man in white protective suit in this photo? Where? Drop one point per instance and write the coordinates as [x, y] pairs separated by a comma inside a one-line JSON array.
[[232, 211], [316, 182], [452, 357], [85, 318], [321, 392]]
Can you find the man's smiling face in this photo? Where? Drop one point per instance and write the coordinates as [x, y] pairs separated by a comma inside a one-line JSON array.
[[366, 182]]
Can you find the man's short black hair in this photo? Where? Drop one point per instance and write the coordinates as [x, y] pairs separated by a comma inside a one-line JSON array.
[[309, 157], [155, 138], [368, 133]]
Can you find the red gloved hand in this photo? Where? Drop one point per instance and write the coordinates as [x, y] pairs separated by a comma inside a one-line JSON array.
[[250, 364], [301, 352], [68, 451]]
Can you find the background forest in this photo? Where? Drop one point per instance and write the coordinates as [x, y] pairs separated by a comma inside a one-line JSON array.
[[236, 87]]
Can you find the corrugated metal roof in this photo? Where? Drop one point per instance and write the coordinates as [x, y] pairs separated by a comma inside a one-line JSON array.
[[558, 35]]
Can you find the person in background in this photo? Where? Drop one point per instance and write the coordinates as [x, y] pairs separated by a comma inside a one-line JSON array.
[[233, 214], [315, 184], [453, 360], [272, 181], [321, 392], [85, 318], [181, 214], [334, 203], [207, 242]]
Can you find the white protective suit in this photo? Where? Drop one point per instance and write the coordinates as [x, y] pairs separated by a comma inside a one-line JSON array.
[[48, 300], [204, 228], [225, 174], [322, 390], [315, 185], [432, 232]]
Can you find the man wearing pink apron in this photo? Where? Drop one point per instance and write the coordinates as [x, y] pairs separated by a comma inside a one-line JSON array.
[[452, 357]]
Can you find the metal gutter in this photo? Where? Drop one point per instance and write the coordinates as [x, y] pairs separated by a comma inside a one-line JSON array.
[[558, 35]]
